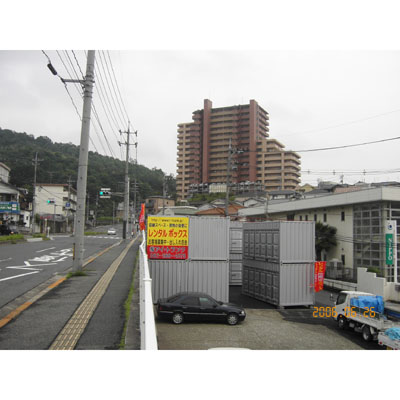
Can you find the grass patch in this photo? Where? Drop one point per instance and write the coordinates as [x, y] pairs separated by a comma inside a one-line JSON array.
[[127, 304], [92, 233], [76, 273], [40, 235], [12, 238]]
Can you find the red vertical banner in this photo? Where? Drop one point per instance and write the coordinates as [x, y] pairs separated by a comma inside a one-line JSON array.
[[142, 224], [319, 274]]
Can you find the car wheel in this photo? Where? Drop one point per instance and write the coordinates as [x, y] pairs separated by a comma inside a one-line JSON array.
[[232, 319], [177, 318], [342, 322], [366, 334]]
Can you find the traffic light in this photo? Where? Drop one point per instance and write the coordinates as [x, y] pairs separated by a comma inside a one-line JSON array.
[[50, 201], [105, 193]]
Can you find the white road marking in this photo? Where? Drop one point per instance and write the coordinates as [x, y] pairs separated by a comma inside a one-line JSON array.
[[50, 248], [6, 259], [26, 268], [18, 276]]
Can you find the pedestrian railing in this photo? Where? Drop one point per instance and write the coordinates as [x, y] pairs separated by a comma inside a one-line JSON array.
[[148, 336]]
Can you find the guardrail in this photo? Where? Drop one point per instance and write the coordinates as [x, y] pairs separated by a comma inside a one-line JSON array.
[[148, 335]]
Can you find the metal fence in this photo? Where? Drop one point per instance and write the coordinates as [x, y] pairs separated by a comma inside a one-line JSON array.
[[341, 273], [148, 335]]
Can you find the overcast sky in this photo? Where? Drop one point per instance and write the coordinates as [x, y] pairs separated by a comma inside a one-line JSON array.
[[314, 99]]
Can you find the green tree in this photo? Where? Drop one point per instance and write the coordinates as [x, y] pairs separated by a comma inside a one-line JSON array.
[[325, 238]]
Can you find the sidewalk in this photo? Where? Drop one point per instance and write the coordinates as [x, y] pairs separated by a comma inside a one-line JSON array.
[[83, 312]]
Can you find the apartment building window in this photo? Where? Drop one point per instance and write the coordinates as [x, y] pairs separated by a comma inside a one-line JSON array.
[[343, 260], [301, 218], [342, 215], [315, 217], [325, 217], [306, 217]]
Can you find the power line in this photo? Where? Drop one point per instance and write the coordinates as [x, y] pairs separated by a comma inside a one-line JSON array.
[[347, 146], [96, 115], [116, 82], [344, 124], [121, 120], [112, 84], [69, 94]]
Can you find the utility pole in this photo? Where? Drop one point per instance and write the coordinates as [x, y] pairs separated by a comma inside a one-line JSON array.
[[228, 175], [69, 200], [36, 161], [87, 207], [126, 193], [83, 161], [163, 196]]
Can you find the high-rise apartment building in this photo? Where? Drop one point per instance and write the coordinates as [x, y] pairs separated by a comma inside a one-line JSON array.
[[203, 149]]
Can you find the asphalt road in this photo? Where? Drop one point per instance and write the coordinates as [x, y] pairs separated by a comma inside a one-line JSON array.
[[25, 265], [38, 326]]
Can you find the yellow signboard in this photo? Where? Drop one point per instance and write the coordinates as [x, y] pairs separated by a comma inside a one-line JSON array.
[[167, 237]]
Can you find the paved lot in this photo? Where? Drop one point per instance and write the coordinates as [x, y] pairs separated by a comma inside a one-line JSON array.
[[265, 328], [262, 330]]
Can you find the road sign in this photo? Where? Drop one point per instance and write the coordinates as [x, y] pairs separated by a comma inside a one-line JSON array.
[[168, 238], [11, 207], [67, 205]]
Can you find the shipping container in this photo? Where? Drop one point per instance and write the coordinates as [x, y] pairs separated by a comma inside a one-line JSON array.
[[172, 276], [209, 238], [235, 253], [207, 267], [279, 241], [278, 262]]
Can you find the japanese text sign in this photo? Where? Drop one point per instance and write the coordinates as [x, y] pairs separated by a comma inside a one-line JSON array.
[[319, 274], [167, 238]]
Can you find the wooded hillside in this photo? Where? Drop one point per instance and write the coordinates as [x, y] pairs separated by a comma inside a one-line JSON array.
[[60, 161]]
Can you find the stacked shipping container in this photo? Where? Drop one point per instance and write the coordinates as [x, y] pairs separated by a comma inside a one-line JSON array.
[[278, 262]]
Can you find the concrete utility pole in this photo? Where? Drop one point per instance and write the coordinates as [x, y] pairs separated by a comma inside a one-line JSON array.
[[69, 201], [35, 161], [228, 175], [126, 192], [163, 196], [83, 162]]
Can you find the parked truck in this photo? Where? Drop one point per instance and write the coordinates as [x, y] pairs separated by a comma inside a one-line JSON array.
[[390, 339], [363, 312]]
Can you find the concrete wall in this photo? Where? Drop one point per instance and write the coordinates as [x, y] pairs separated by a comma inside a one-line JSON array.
[[340, 285], [369, 282]]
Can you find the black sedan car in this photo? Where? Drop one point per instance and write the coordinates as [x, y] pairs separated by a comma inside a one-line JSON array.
[[198, 307], [7, 230]]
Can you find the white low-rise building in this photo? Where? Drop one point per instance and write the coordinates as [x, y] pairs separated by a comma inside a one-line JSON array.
[[56, 204], [359, 217]]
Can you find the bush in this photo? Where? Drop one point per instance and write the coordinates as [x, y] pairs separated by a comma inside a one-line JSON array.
[[12, 238]]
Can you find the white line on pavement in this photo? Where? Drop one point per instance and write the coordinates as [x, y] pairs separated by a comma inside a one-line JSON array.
[[25, 268], [29, 265], [17, 276], [50, 248], [6, 259]]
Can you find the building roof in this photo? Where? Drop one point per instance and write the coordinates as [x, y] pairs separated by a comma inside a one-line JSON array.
[[232, 210], [329, 200], [5, 166], [178, 210]]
